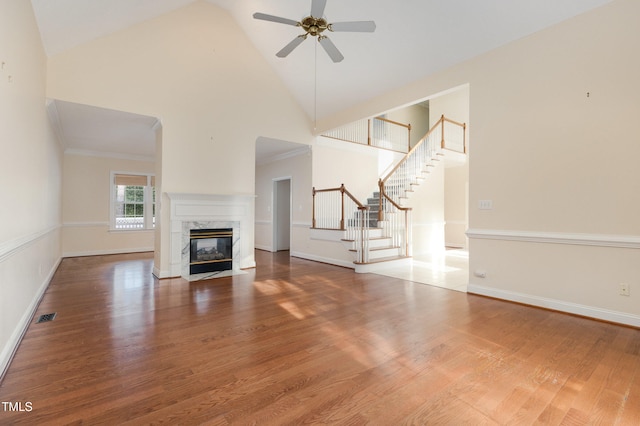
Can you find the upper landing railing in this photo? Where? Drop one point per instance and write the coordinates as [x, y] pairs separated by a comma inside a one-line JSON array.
[[378, 132]]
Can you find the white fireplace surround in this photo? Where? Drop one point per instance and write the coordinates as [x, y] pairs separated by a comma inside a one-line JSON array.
[[197, 211]]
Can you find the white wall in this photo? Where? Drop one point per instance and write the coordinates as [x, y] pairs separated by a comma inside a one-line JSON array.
[[298, 169], [560, 167], [86, 189], [455, 106], [427, 202], [356, 166], [30, 176], [214, 98]]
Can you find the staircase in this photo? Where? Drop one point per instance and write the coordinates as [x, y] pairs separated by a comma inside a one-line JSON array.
[[380, 231], [382, 248]]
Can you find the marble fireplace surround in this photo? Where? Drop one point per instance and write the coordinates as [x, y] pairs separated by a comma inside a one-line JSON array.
[[200, 211]]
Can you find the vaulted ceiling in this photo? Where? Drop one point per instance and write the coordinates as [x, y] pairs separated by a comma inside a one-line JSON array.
[[413, 38]]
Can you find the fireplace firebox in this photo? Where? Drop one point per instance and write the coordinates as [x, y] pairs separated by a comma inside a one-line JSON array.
[[211, 250]]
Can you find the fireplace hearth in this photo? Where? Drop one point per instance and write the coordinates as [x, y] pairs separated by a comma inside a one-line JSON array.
[[210, 250]]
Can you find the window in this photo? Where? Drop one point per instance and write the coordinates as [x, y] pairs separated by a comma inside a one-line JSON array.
[[133, 201]]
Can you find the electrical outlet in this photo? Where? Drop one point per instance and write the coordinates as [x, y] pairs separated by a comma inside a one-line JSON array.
[[485, 204], [480, 273], [624, 289]]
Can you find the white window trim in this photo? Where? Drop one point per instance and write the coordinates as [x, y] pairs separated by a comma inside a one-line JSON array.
[[148, 202]]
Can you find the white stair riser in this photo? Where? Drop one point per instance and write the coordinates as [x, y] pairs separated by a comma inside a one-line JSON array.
[[389, 252]]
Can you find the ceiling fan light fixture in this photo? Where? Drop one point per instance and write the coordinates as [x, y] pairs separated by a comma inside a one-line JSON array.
[[314, 25]]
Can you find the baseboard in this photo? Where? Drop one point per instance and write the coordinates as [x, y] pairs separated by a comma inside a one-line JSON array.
[[160, 274], [106, 252], [6, 356], [337, 262], [263, 247], [557, 305]]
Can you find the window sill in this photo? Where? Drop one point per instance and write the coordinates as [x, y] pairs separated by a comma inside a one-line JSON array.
[[131, 230]]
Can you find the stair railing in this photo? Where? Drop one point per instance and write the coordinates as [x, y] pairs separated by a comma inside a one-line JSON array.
[[445, 134], [378, 132], [396, 222], [453, 135], [338, 209]]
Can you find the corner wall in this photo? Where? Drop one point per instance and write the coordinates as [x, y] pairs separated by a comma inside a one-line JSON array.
[[30, 177]]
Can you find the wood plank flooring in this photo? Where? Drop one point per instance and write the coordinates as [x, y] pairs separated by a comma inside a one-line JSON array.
[[299, 342]]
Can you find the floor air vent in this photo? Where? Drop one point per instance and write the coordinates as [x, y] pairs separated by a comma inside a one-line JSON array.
[[46, 317]]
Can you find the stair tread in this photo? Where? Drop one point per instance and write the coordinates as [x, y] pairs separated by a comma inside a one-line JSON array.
[[383, 259], [379, 248], [346, 240]]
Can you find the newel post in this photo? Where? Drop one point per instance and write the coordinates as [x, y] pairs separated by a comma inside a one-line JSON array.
[[442, 131], [313, 207], [464, 137], [342, 206], [380, 191]]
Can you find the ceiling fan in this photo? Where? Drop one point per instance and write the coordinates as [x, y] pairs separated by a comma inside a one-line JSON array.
[[314, 25]]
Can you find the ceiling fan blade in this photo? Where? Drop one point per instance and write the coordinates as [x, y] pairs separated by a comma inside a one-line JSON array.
[[277, 19], [317, 8], [355, 26], [331, 49], [284, 52]]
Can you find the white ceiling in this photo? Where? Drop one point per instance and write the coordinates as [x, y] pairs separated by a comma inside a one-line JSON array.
[[413, 38], [89, 130]]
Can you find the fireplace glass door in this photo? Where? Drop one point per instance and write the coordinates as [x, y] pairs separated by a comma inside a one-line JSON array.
[[211, 250]]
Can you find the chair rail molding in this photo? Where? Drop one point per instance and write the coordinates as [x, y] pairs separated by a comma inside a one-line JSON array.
[[600, 240]]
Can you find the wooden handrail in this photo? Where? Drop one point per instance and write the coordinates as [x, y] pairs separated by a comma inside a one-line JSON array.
[[453, 121], [408, 126]]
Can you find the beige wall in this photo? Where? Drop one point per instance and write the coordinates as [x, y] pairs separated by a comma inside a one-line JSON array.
[[298, 169], [560, 167], [85, 207], [30, 176], [214, 97], [415, 115]]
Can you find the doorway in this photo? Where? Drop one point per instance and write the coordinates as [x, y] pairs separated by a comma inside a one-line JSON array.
[[282, 214]]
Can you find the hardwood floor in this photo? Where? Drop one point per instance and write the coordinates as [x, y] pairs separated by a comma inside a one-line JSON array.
[[299, 342]]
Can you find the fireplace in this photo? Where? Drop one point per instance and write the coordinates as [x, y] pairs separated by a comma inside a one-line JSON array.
[[199, 211], [210, 250]]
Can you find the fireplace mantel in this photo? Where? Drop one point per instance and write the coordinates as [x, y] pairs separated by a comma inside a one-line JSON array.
[[196, 210]]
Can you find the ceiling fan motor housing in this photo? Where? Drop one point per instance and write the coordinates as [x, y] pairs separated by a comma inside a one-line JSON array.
[[314, 26]]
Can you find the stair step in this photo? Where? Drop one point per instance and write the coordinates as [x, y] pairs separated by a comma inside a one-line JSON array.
[[372, 249], [346, 240], [382, 259]]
